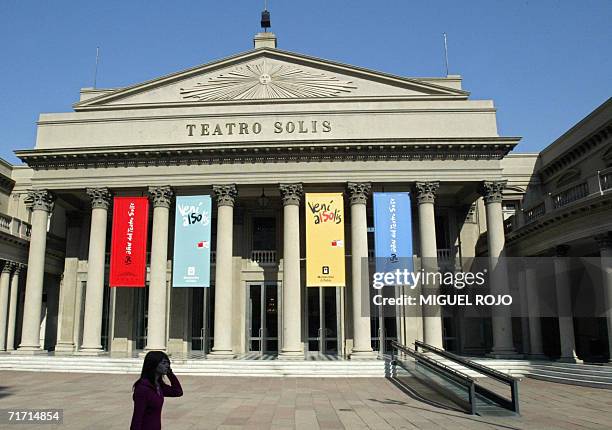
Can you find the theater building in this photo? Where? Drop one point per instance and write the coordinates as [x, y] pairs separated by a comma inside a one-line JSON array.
[[257, 131]]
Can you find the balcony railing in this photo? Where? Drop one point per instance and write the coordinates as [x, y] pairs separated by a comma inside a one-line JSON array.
[[15, 226], [570, 195], [592, 186], [534, 212], [263, 257], [605, 179]]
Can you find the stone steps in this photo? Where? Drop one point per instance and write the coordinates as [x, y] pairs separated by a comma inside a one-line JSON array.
[[588, 375], [267, 368], [599, 376]]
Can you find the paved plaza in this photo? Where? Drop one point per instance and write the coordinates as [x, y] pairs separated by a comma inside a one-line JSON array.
[[98, 401]]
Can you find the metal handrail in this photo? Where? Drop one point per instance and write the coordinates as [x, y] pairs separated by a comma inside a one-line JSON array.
[[455, 374], [441, 369], [492, 373]]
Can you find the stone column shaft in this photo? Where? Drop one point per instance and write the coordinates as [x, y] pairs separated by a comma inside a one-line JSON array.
[[94, 294], [12, 313], [501, 319], [362, 336], [222, 347], [605, 246], [68, 286], [41, 204], [5, 279], [533, 310], [432, 315], [158, 283], [564, 305], [291, 339]]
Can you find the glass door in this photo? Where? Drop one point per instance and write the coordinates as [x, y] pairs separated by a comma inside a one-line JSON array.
[[202, 319], [262, 318], [322, 310]]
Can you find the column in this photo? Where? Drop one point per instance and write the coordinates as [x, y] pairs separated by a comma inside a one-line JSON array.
[[362, 337], [158, 281], [225, 196], [291, 195], [40, 202], [536, 350], [432, 315], [12, 313], [5, 279], [605, 246], [564, 304], [501, 319], [94, 293], [68, 286]]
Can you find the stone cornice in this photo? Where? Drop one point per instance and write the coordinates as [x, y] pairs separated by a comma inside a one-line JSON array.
[[577, 152], [6, 184], [266, 152]]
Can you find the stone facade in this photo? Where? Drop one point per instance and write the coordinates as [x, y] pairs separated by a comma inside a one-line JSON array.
[[306, 125]]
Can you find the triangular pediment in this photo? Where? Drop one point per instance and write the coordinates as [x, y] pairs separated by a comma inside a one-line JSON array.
[[266, 74]]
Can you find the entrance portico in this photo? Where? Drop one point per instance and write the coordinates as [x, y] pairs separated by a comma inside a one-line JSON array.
[[310, 126]]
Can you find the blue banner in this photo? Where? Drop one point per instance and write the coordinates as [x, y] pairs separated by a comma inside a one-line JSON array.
[[191, 262], [392, 232]]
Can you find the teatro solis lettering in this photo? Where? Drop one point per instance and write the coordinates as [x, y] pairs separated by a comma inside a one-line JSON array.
[[254, 128]]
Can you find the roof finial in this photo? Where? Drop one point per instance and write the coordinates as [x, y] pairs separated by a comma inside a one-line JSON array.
[[265, 17]]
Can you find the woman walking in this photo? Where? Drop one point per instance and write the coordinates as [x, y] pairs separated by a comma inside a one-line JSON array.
[[150, 390]]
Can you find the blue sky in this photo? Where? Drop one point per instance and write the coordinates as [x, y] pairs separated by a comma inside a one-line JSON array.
[[545, 63]]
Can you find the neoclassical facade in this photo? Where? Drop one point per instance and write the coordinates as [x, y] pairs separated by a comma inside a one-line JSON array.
[[257, 131]]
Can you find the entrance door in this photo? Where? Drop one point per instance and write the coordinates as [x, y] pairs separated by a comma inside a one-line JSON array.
[[384, 331], [323, 321], [262, 318], [202, 322]]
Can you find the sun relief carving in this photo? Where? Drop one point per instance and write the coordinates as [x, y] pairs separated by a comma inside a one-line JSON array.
[[262, 80]]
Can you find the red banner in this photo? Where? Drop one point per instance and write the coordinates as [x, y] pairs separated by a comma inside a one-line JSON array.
[[128, 260]]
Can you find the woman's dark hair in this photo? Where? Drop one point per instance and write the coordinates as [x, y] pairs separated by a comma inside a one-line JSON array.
[[152, 359]]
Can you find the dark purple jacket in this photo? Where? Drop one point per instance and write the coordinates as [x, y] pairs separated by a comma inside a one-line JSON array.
[[148, 402]]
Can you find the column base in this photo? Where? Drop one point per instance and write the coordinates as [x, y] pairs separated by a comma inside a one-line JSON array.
[[29, 351], [537, 357], [508, 354], [64, 349], [363, 355], [91, 352], [291, 355], [221, 355], [573, 360]]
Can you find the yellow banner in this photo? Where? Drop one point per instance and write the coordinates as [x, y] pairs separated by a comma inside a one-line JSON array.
[[325, 240]]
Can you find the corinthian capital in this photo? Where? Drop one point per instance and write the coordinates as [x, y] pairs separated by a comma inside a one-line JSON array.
[[291, 193], [225, 194], [358, 192], [492, 191], [100, 197], [604, 240], [161, 196], [7, 266], [40, 200], [426, 191]]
